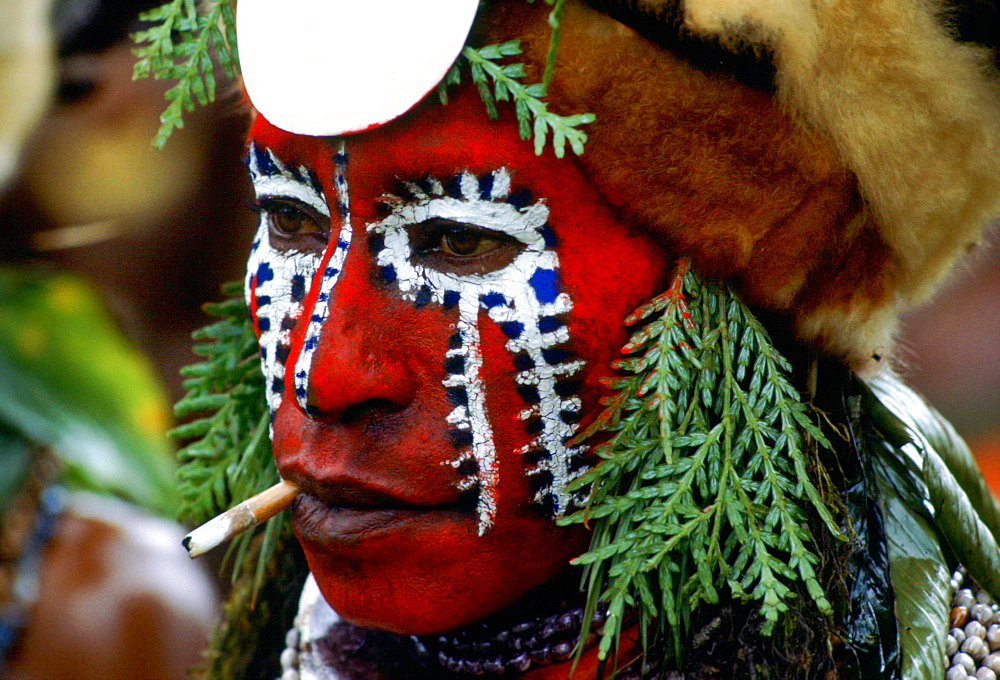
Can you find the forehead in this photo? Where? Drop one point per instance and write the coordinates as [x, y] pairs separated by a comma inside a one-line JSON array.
[[432, 139]]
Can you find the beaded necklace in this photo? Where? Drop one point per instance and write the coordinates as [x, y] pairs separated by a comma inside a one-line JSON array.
[[25, 529]]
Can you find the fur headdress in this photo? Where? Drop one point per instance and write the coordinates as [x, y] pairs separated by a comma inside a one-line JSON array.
[[837, 192]]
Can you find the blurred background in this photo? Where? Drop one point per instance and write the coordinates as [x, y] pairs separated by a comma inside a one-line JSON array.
[[155, 233]]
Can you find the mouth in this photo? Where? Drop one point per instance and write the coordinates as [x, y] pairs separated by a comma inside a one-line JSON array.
[[344, 514]]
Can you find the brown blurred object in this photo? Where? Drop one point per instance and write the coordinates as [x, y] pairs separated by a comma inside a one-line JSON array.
[[156, 231], [120, 602]]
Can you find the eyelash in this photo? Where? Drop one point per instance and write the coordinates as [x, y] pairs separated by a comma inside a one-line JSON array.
[[273, 207]]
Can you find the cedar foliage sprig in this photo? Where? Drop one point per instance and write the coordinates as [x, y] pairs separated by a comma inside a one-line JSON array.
[[496, 82], [229, 459], [704, 484], [179, 45], [186, 33]]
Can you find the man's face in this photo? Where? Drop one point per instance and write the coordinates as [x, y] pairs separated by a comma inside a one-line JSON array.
[[436, 307]]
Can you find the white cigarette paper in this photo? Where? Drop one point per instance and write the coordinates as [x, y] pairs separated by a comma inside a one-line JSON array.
[[239, 518]]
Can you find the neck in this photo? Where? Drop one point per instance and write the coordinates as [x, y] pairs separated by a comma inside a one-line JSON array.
[[589, 667]]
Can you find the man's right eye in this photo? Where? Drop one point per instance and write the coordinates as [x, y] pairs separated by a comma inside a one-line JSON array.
[[289, 218]]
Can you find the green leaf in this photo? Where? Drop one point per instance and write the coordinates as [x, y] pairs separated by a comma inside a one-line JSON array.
[[709, 471], [73, 383], [182, 44], [920, 580], [533, 117]]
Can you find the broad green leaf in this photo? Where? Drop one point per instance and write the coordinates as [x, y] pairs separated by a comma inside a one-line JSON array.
[[71, 381], [920, 580]]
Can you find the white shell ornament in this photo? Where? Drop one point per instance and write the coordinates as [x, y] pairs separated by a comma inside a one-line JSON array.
[[330, 67]]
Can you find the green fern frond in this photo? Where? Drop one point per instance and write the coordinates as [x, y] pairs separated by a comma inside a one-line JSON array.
[[704, 485], [230, 457], [186, 34], [179, 45], [533, 116]]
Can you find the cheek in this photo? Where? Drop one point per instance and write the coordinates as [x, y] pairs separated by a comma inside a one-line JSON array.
[[608, 277]]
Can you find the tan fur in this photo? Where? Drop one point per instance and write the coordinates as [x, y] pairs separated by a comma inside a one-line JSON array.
[[839, 202]]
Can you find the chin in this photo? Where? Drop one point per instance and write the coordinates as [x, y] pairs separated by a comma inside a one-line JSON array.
[[420, 593]]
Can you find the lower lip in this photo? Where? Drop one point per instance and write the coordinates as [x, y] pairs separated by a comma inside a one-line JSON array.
[[317, 522]]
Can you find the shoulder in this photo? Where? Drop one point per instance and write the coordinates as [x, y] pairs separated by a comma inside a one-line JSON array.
[[119, 598]]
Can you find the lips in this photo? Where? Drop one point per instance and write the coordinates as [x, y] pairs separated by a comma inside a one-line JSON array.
[[344, 514]]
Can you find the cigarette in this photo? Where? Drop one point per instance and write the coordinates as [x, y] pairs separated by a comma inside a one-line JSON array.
[[238, 519]]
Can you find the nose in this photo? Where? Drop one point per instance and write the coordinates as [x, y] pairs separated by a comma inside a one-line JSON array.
[[359, 362]]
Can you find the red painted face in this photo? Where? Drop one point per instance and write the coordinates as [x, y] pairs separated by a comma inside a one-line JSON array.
[[436, 307]]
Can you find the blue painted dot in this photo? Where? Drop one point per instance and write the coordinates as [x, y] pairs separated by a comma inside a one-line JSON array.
[[454, 187], [455, 341], [263, 300], [520, 198], [451, 298], [310, 344], [298, 288], [281, 353], [529, 393], [316, 318], [486, 186], [547, 324], [423, 297], [535, 456], [461, 437], [567, 387], [264, 273], [554, 355], [455, 364], [545, 282], [493, 299], [314, 182], [458, 396], [548, 234], [263, 324], [331, 271], [468, 466], [512, 329], [388, 273], [523, 362], [264, 162]]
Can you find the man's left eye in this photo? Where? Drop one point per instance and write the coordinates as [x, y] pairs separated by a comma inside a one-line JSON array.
[[461, 248]]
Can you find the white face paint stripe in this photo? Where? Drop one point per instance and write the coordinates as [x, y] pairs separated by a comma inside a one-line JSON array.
[[473, 416], [271, 273], [523, 298], [335, 256], [518, 297]]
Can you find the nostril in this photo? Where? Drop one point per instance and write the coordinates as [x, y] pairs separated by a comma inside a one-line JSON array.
[[369, 409]]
